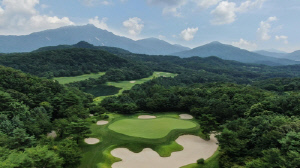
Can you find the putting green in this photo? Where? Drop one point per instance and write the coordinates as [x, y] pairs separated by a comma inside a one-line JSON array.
[[151, 128]]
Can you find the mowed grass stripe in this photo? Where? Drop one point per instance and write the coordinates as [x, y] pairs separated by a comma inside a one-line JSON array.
[[150, 128], [127, 85], [66, 80]]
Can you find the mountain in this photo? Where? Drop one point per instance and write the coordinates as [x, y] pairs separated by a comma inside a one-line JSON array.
[[85, 45], [73, 34], [271, 54], [160, 47], [294, 55], [229, 52]]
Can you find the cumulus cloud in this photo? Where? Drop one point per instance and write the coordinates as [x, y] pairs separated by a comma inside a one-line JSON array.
[[244, 44], [19, 17], [226, 12], [170, 7], [282, 38], [264, 29], [99, 23], [206, 3], [134, 25], [189, 33]]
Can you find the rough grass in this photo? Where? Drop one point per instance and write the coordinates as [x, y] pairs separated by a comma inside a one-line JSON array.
[[98, 155], [66, 80], [212, 162], [126, 85], [150, 128]]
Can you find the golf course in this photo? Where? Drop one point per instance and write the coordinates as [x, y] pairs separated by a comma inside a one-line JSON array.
[[164, 140], [135, 141]]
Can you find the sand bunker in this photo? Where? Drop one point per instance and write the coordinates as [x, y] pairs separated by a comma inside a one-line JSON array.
[[186, 116], [52, 134], [146, 117], [91, 141], [194, 149], [132, 81], [91, 115], [102, 122]]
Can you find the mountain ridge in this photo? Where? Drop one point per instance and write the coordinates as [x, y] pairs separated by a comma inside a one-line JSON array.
[[70, 35]]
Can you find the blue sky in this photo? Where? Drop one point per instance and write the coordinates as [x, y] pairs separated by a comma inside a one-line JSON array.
[[249, 24]]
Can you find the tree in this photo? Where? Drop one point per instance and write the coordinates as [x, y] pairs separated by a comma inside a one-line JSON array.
[[70, 152], [41, 156], [78, 130]]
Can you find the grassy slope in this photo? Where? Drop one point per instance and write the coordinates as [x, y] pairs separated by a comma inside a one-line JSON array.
[[126, 85], [66, 80], [150, 128], [98, 155]]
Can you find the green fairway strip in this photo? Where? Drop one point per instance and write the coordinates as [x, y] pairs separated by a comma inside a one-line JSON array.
[[150, 128], [66, 80], [127, 85]]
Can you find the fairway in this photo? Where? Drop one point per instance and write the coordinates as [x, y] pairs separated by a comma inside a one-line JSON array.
[[150, 129], [127, 85], [66, 80]]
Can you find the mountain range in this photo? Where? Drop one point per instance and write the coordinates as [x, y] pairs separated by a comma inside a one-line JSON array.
[[64, 37], [73, 34], [229, 52]]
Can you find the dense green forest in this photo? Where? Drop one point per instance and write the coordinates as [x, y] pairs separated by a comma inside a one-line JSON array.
[[253, 108], [30, 108]]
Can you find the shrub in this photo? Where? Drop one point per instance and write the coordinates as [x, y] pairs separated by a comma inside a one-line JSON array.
[[200, 161]]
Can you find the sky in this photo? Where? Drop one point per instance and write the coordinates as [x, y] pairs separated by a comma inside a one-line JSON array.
[[248, 24]]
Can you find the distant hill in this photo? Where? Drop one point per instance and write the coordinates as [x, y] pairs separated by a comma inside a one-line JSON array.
[[294, 55], [86, 45], [229, 52], [271, 54], [73, 34], [64, 62]]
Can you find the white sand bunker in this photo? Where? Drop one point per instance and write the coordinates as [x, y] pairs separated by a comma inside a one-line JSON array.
[[132, 81], [91, 115], [52, 134], [186, 116], [102, 122], [146, 117], [91, 141], [194, 149]]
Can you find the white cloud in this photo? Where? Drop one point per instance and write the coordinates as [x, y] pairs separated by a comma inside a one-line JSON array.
[[161, 37], [189, 33], [134, 25], [206, 3], [249, 4], [226, 11], [99, 23], [96, 2], [282, 38], [244, 44], [170, 7], [18, 17], [264, 29]]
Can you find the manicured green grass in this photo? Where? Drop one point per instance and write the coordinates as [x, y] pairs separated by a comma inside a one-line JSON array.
[[98, 155], [66, 80], [127, 85], [150, 128], [212, 162]]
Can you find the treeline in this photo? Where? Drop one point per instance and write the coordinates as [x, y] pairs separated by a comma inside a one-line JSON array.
[[256, 128], [30, 108]]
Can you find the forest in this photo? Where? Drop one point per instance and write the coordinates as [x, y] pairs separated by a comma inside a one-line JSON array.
[[253, 108]]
